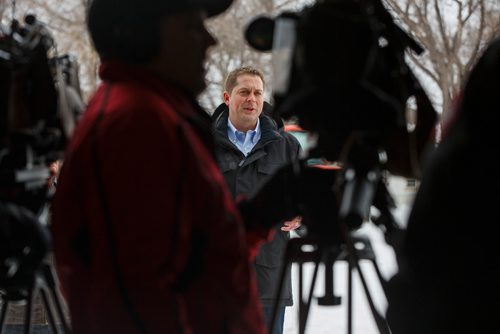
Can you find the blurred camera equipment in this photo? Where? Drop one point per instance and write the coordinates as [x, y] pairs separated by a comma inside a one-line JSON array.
[[24, 269], [340, 69], [37, 116]]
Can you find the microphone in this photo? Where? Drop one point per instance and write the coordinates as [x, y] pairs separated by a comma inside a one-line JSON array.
[[359, 193], [361, 179]]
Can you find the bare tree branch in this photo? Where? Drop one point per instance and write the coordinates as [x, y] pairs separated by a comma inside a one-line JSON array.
[[453, 33]]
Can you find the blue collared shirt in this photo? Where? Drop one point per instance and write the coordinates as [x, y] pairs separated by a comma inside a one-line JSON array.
[[245, 142]]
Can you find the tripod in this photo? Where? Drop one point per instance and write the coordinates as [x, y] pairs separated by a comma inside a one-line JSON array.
[[24, 270], [41, 282], [362, 188], [322, 252]]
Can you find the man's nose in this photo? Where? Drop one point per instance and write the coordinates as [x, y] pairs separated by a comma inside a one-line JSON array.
[[251, 96]]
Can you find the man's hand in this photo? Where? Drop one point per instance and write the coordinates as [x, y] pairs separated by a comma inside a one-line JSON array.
[[54, 169], [292, 224]]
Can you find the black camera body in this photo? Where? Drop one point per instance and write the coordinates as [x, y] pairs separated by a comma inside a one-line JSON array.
[[340, 68], [35, 120]]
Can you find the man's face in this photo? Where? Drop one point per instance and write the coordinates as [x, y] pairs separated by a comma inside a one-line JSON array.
[[184, 41], [245, 101]]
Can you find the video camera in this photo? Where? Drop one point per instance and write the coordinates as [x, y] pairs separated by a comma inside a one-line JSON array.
[[340, 69], [40, 102], [36, 114]]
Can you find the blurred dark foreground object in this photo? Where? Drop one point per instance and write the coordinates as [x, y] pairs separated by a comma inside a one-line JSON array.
[[354, 99], [40, 103], [24, 268], [342, 70], [449, 263], [24, 243]]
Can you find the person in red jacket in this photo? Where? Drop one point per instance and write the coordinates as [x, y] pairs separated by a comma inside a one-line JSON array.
[[146, 236]]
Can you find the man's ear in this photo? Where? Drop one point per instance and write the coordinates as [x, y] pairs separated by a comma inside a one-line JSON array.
[[226, 98]]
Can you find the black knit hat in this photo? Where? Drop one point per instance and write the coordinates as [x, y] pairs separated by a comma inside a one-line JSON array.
[[128, 29]]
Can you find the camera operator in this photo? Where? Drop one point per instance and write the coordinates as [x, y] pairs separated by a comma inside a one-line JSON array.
[[146, 236], [449, 263], [250, 147]]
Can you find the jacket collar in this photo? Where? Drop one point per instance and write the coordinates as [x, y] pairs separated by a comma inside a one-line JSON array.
[[117, 71], [182, 102], [269, 128]]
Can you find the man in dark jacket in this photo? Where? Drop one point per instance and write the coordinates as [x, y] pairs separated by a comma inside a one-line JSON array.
[[250, 146]]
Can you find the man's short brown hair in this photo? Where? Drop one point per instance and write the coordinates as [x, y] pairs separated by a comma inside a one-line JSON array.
[[233, 77]]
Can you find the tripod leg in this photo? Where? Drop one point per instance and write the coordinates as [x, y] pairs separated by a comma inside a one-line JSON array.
[[381, 322], [60, 313], [380, 277], [48, 308], [279, 291], [379, 319], [302, 314], [3, 315], [349, 296], [48, 276], [304, 307], [293, 252], [329, 259], [28, 311]]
